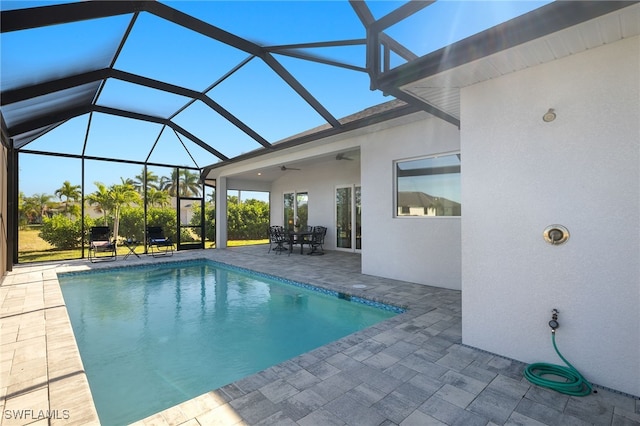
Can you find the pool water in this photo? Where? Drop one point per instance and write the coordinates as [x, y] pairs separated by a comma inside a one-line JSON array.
[[153, 337]]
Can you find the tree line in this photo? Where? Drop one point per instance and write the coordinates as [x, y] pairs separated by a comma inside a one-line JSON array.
[[121, 207], [160, 190]]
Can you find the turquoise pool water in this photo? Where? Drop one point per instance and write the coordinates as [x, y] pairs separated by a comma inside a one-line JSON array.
[[152, 337]]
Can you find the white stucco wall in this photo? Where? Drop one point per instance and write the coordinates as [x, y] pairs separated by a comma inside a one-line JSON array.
[[319, 181], [521, 174], [424, 250]]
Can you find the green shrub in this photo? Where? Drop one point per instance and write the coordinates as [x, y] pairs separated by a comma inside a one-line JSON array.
[[62, 232], [209, 221], [186, 236], [132, 222], [248, 221], [165, 218]]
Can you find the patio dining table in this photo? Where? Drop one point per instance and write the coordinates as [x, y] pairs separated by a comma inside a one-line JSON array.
[[298, 237]]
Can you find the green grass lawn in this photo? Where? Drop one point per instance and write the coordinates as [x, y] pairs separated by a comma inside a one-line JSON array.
[[32, 248]]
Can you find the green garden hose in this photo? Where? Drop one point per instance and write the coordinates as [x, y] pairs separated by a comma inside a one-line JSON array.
[[575, 384]]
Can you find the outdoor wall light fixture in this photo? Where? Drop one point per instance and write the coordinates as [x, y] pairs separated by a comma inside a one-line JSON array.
[[555, 234], [549, 116]]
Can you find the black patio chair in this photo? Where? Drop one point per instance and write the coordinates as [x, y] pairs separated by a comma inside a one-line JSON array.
[[317, 240], [157, 243], [101, 245], [277, 237]]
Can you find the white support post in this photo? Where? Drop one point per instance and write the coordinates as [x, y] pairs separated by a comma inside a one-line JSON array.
[[221, 212]]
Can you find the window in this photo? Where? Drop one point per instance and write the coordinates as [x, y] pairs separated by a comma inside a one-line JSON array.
[[296, 211], [428, 186]]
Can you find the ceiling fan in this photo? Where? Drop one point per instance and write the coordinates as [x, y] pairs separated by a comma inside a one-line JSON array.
[[285, 168], [343, 156]]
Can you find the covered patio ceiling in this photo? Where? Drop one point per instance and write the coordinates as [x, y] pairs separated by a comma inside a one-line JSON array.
[[197, 84]]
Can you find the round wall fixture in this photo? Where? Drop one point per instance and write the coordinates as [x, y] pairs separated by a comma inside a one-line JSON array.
[[549, 116], [555, 234]]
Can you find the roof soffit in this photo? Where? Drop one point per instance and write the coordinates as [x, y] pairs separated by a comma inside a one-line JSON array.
[[436, 79]]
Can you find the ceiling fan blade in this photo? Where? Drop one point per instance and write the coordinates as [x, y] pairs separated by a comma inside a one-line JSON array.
[[343, 157]]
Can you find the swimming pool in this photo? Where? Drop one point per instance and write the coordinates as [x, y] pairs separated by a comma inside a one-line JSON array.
[[154, 336]]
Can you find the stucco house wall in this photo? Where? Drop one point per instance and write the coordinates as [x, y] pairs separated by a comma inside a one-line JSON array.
[[319, 181], [521, 174], [424, 250]]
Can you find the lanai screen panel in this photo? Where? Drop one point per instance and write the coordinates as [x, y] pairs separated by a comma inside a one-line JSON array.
[[47, 54], [227, 80], [140, 99], [164, 51], [66, 138], [262, 100]]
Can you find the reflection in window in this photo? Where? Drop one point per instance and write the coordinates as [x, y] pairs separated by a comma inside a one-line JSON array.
[[302, 209], [428, 186], [296, 211], [288, 210]]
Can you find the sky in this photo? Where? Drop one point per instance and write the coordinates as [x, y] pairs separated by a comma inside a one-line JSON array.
[[163, 51]]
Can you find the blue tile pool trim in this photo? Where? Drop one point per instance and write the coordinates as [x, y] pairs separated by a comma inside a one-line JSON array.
[[355, 299], [345, 296]]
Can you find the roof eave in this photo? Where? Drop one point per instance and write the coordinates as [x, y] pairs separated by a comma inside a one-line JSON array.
[[546, 20]]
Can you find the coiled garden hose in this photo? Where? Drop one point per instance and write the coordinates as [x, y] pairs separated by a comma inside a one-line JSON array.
[[575, 384]]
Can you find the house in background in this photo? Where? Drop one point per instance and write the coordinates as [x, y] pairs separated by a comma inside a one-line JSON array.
[[541, 114], [417, 203]]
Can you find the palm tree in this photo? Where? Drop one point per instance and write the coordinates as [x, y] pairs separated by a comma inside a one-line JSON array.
[[170, 184], [70, 192], [29, 210], [121, 195], [187, 182], [152, 181], [42, 203], [189, 185], [128, 181], [101, 199], [158, 198]]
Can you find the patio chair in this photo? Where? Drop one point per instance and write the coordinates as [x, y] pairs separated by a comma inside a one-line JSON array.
[[317, 240], [277, 237], [101, 246], [157, 243]]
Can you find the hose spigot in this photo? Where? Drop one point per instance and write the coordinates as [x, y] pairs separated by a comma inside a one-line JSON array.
[[554, 320]]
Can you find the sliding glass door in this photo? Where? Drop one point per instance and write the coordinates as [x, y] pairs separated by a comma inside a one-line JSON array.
[[348, 218], [296, 210]]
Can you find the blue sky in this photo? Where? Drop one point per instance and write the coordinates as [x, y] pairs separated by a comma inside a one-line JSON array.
[[163, 51]]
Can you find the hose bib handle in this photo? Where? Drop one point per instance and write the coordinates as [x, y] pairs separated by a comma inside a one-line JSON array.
[[554, 320]]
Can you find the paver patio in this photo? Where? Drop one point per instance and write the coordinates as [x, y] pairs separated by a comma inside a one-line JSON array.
[[409, 370]]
